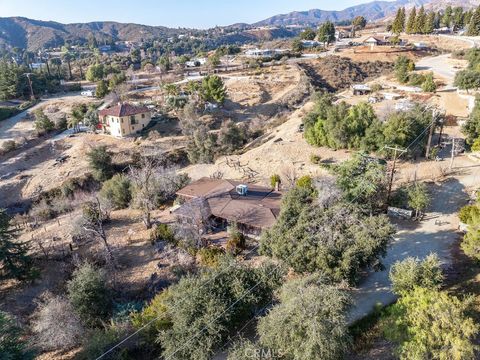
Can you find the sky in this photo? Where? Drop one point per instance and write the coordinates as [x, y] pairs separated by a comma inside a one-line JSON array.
[[171, 13]]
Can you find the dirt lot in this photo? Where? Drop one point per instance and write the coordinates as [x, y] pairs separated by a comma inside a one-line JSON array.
[[378, 53], [20, 127]]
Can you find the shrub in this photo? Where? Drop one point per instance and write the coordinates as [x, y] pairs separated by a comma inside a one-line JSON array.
[[476, 145], [471, 241], [468, 213], [89, 295], [210, 256], [42, 123], [415, 79], [315, 159], [305, 182], [429, 84], [429, 324], [101, 340], [118, 191], [274, 180], [12, 347], [8, 145], [195, 301], [100, 161], [309, 322], [162, 232], [57, 326], [156, 313], [236, 243], [409, 273]]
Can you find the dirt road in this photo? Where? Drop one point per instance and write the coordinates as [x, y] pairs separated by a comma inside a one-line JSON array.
[[435, 234], [20, 126]]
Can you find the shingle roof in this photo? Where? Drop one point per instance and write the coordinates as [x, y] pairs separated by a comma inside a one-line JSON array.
[[259, 208], [123, 109]]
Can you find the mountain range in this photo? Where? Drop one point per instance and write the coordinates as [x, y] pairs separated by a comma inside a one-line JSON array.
[[34, 34]]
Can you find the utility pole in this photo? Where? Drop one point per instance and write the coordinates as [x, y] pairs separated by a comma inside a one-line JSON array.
[[453, 153], [32, 96], [396, 154], [432, 130]]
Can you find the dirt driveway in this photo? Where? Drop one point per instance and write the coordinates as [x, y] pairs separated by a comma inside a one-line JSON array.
[[435, 234]]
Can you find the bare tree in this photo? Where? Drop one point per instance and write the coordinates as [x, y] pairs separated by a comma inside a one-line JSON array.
[[289, 176], [192, 222], [152, 185], [56, 324], [95, 214]]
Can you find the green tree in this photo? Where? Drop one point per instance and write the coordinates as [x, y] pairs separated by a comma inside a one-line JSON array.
[[429, 84], [117, 190], [471, 241], [164, 63], [337, 240], [297, 46], [412, 21], [412, 272], [326, 32], [398, 25], [402, 67], [95, 72], [91, 118], [458, 18], [213, 89], [42, 123], [308, 34], [420, 21], [418, 197], [200, 307], [309, 322], [14, 259], [363, 180], [467, 79], [447, 17], [231, 137], [12, 347], [102, 89], [89, 295], [359, 22], [100, 161], [430, 324], [202, 146], [474, 24], [429, 24]]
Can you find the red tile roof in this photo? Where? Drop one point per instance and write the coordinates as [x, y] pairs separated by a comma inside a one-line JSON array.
[[123, 109]]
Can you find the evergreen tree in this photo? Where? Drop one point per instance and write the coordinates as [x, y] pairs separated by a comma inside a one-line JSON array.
[[14, 261], [420, 21], [410, 28], [326, 32], [458, 17], [447, 17], [474, 25], [429, 25], [398, 25]]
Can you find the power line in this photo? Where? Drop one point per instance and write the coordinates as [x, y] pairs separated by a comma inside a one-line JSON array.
[[243, 295]]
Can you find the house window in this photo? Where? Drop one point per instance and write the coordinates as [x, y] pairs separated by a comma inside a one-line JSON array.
[[121, 120], [143, 116], [133, 127], [132, 120]]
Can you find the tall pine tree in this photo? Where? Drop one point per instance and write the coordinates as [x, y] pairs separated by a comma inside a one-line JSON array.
[[15, 263], [398, 25], [410, 28], [430, 23], [474, 25], [447, 17], [420, 21]]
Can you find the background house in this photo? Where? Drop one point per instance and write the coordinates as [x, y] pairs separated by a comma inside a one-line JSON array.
[[123, 119]]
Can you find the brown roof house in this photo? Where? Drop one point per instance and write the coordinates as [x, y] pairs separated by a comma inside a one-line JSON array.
[[253, 208], [123, 119]]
